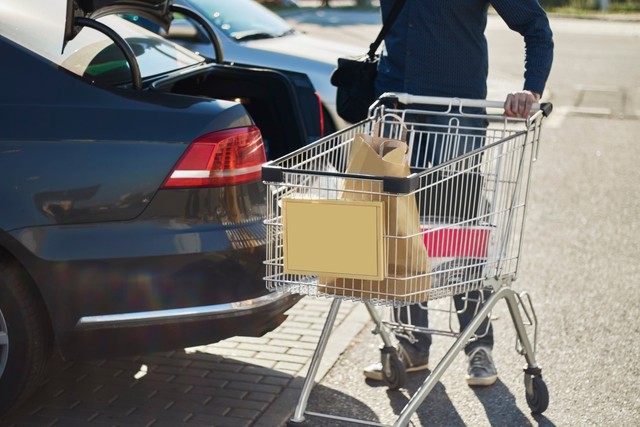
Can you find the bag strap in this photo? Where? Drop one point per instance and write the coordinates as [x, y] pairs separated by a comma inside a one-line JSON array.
[[393, 14]]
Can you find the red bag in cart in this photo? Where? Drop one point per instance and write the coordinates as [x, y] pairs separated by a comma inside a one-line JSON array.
[[458, 255], [456, 242]]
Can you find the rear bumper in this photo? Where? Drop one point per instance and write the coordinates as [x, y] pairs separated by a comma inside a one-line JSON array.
[[239, 309], [159, 293], [164, 330], [110, 275], [189, 271]]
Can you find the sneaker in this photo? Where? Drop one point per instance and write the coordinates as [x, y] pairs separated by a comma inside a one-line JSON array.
[[481, 371], [411, 359]]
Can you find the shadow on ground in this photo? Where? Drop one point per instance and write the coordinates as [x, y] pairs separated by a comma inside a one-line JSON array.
[[177, 388], [436, 410]]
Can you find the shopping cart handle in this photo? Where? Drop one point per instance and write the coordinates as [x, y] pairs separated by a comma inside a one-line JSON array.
[[390, 98]]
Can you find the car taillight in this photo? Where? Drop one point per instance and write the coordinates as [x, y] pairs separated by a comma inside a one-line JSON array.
[[217, 159], [321, 114]]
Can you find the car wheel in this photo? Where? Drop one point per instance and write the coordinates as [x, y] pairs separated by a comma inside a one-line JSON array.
[[25, 337]]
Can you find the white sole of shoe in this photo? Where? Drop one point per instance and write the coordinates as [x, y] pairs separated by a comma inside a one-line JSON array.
[[482, 382], [377, 375], [373, 377], [418, 368]]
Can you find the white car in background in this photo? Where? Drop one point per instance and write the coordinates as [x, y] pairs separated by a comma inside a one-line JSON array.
[[250, 34]]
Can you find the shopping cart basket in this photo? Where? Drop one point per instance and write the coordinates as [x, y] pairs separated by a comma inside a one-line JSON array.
[[334, 233]]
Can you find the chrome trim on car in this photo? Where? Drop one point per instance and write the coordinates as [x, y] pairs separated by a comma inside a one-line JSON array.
[[158, 317]]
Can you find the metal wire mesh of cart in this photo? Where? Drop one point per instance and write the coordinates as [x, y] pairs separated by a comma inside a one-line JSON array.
[[335, 233]]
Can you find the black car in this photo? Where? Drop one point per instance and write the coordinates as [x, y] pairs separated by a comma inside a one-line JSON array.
[[131, 201]]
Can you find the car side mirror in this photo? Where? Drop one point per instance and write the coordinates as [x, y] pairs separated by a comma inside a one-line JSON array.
[[182, 29]]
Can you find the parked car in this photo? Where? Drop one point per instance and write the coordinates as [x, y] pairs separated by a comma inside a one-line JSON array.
[[130, 179], [251, 34]]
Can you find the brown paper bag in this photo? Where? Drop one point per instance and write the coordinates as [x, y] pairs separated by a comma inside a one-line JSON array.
[[408, 267]]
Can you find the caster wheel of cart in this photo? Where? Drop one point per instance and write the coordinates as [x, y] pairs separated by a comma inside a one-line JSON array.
[[537, 393], [393, 370]]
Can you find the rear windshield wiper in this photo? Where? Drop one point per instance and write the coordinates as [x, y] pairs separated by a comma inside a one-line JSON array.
[[252, 35]]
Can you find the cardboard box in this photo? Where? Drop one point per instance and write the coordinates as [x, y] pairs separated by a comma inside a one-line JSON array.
[[339, 238]]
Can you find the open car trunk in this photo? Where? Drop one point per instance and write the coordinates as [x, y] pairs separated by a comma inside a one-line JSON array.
[[283, 105]]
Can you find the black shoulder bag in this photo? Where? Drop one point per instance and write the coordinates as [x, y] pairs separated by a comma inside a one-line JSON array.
[[355, 76]]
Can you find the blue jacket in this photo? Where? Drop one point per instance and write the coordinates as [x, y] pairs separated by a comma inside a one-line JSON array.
[[438, 47]]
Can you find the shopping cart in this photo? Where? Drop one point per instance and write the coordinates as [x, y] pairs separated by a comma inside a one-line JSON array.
[[333, 233]]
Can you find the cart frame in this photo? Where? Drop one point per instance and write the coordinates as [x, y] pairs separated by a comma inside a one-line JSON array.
[[505, 215]]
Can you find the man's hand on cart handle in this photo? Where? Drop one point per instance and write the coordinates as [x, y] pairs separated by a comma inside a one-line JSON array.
[[518, 104]]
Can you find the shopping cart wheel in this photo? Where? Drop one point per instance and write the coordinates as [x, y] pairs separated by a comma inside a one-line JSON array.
[[536, 390], [393, 370]]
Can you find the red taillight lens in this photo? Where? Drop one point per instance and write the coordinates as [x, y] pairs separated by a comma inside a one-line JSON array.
[[321, 114], [217, 159]]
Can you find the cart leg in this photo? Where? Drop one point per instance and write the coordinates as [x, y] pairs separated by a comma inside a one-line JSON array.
[[518, 323], [536, 390], [394, 372], [298, 416], [375, 316], [433, 378]]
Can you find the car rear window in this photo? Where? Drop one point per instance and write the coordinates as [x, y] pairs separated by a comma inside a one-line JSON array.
[[90, 54], [97, 56]]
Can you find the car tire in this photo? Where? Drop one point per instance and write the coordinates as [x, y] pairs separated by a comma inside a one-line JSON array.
[[25, 337]]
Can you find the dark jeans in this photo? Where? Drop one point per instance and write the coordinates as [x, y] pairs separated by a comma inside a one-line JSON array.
[[437, 149], [418, 315]]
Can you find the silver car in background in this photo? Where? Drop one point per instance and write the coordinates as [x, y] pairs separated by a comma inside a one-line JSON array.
[[251, 34]]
